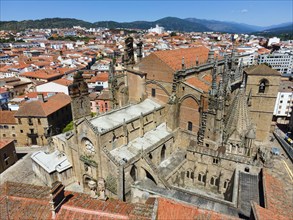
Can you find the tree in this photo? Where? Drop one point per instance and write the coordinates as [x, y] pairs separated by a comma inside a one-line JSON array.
[[68, 127]]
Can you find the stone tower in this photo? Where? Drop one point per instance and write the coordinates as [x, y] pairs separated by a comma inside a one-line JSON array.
[[80, 101], [128, 52], [262, 89]]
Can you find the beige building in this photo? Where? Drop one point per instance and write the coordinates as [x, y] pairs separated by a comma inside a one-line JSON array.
[[7, 154], [8, 125], [36, 120], [262, 88]]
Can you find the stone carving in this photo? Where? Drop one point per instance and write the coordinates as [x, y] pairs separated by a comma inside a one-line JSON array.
[[93, 187], [102, 189], [172, 99], [89, 148]]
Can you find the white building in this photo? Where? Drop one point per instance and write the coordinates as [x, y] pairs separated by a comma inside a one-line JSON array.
[[60, 85], [157, 29], [282, 62], [284, 102], [273, 40]]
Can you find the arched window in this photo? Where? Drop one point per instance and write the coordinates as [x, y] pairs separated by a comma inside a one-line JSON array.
[[226, 183], [187, 174], [263, 86], [192, 175], [201, 177], [214, 181], [163, 153], [133, 173]]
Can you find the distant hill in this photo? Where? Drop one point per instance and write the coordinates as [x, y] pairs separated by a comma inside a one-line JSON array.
[[283, 32], [282, 29], [224, 26], [169, 23], [43, 23]]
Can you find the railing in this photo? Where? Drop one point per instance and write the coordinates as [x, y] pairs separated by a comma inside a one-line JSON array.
[[287, 148]]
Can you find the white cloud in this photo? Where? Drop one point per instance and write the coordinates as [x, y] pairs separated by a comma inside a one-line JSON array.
[[243, 11]]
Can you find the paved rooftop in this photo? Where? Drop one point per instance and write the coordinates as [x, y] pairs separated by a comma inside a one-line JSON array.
[[141, 143], [112, 119]]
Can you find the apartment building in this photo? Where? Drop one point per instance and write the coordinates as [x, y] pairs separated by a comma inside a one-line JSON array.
[[282, 62], [284, 102]]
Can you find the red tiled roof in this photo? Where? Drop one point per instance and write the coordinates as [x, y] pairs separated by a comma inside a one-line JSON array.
[[194, 81], [43, 109], [102, 77], [64, 82], [7, 117], [32, 95], [276, 198], [24, 201], [169, 209], [173, 58], [3, 90], [5, 142], [42, 74], [261, 213], [65, 70]]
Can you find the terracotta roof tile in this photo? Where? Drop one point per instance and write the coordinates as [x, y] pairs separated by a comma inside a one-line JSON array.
[[265, 214], [42, 74], [24, 201], [169, 209], [64, 82], [7, 117], [275, 196], [43, 109], [194, 81], [102, 77], [5, 142], [173, 58]]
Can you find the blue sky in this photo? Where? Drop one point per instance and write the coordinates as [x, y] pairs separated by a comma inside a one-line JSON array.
[[261, 12]]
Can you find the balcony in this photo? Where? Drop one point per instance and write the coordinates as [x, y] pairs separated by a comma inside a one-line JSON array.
[[32, 135]]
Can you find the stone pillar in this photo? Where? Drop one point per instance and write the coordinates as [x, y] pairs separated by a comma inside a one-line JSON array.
[[220, 181], [56, 197], [120, 189], [155, 117], [141, 127], [172, 112], [125, 133], [206, 178]]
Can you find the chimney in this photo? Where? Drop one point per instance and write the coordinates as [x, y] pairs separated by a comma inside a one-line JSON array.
[[41, 97], [56, 197]]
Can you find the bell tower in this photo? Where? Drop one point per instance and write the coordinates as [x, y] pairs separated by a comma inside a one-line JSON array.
[[80, 101]]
